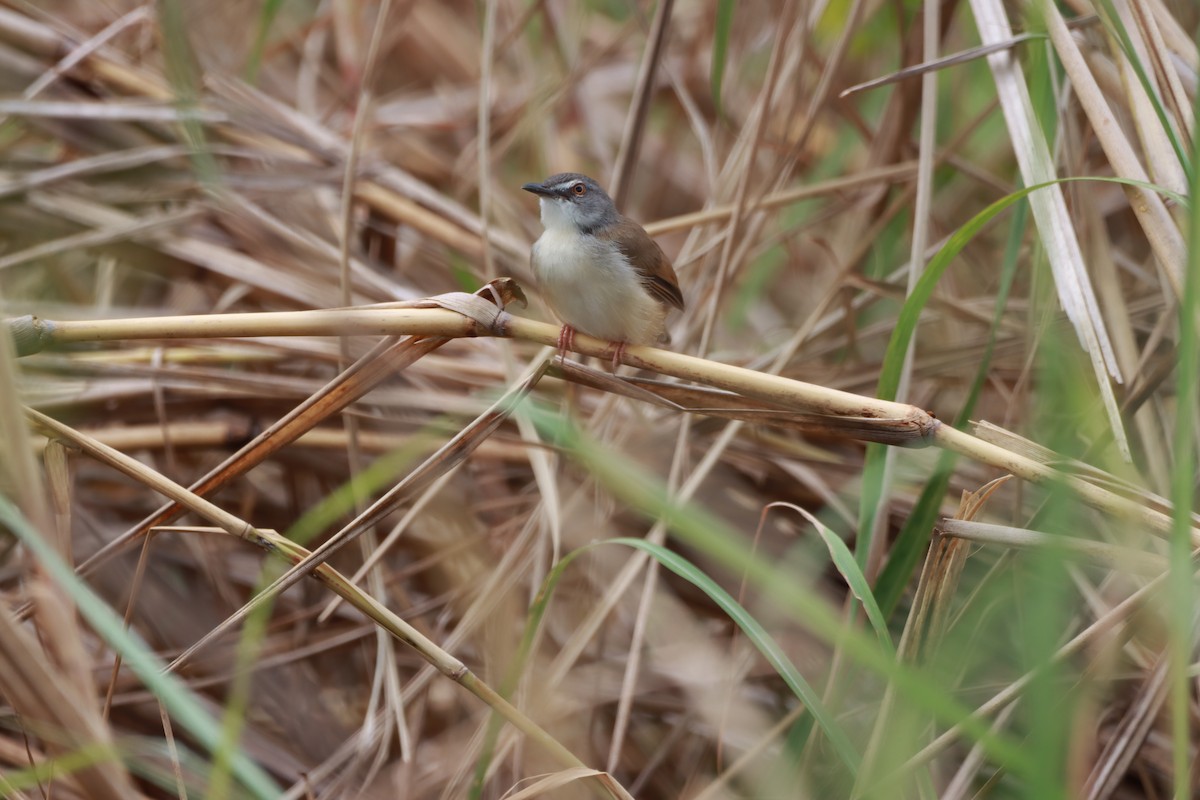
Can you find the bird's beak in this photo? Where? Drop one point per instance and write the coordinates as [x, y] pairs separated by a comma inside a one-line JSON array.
[[539, 189]]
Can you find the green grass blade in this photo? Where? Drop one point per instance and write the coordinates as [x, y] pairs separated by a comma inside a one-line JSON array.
[[724, 23], [1182, 604], [910, 315], [183, 75], [844, 561], [753, 630], [762, 640], [270, 10], [699, 529], [873, 473], [910, 544]]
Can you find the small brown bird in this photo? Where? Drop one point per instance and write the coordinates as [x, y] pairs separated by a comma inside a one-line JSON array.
[[600, 271]]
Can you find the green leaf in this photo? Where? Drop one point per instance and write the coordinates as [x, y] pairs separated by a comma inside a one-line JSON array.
[[1181, 591], [843, 559], [270, 10], [910, 544], [762, 640]]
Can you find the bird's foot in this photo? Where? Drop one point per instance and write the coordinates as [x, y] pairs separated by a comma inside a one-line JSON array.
[[566, 341], [618, 354]]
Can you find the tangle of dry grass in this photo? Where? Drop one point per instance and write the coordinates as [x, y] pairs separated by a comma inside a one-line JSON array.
[[237, 249]]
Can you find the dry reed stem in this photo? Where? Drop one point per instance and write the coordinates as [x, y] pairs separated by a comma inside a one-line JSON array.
[[866, 412], [1160, 228], [436, 466]]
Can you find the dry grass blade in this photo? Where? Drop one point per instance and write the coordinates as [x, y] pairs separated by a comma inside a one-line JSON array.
[[385, 359], [1163, 161], [1160, 228], [926, 625], [53, 710], [132, 112], [94, 165], [560, 780], [1123, 559], [445, 459], [1050, 212], [639, 107], [892, 172], [387, 355], [122, 230], [936, 64], [1129, 736], [447, 664]]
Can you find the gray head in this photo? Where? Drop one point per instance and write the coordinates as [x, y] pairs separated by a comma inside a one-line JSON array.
[[571, 200]]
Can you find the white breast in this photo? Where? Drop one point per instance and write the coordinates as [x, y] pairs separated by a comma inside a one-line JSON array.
[[592, 287]]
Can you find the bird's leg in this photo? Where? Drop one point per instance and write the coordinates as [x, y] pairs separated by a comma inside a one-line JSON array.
[[618, 354], [566, 341]]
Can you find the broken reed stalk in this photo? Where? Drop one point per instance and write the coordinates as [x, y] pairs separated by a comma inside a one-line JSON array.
[[462, 315]]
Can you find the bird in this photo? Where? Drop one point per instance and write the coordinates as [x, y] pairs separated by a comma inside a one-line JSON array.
[[598, 270]]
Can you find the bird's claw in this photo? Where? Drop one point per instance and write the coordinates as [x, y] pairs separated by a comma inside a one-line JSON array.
[[618, 354], [566, 341]]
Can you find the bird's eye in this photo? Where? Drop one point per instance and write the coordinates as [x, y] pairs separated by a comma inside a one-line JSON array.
[[579, 190]]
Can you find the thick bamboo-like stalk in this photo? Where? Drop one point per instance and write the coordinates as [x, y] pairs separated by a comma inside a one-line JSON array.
[[867, 413]]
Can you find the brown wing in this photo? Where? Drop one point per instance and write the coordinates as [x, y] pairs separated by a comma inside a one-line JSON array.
[[647, 257]]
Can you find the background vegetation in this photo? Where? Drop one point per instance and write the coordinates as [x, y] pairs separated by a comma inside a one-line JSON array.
[[712, 585]]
